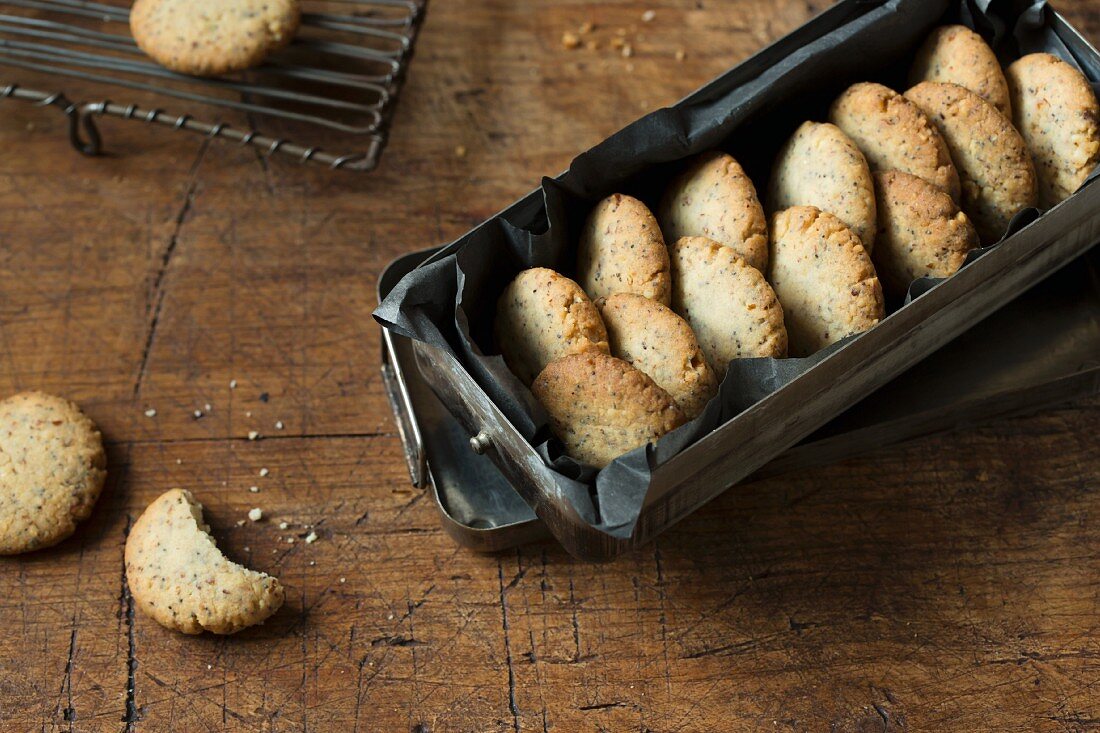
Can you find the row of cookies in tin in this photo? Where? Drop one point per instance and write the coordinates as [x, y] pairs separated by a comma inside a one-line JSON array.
[[897, 186]]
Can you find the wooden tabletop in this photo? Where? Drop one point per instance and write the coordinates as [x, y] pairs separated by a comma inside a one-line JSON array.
[[947, 584]]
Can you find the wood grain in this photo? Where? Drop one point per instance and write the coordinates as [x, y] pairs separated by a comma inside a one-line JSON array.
[[950, 584]]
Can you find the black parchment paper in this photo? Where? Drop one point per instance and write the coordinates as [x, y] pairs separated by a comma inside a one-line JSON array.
[[748, 112]]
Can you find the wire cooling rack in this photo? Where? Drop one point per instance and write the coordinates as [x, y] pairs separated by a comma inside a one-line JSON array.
[[338, 79]]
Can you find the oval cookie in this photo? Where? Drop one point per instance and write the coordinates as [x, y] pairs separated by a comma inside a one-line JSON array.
[[956, 54], [210, 37], [601, 407], [820, 166], [1058, 115], [179, 577], [714, 198], [998, 178], [893, 134], [652, 338], [52, 469], [621, 250], [542, 316], [922, 233], [824, 279], [727, 302]]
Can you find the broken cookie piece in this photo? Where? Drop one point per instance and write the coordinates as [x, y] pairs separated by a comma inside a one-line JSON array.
[[179, 577]]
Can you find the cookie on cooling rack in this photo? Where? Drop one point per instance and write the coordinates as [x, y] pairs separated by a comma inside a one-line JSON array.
[[211, 37]]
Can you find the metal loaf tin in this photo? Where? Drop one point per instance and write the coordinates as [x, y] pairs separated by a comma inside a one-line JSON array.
[[1041, 349], [745, 444]]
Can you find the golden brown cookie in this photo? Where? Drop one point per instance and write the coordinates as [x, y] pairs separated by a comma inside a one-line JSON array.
[[52, 469], [893, 134], [179, 577], [651, 337], [727, 302], [821, 166], [998, 178], [824, 279], [542, 316], [956, 54], [600, 407], [621, 250], [714, 198], [211, 37], [922, 233], [1058, 116]]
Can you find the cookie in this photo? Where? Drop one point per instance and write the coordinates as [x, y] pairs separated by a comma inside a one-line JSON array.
[[727, 302], [650, 337], [601, 407], [998, 178], [821, 166], [211, 37], [714, 198], [179, 577], [542, 316], [893, 134], [956, 54], [823, 277], [921, 233], [1058, 116], [621, 250], [52, 469]]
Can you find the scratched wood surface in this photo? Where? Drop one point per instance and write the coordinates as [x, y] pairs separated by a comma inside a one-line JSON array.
[[948, 584]]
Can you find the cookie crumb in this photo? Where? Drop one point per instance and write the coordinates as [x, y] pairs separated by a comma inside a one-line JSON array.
[[232, 384], [283, 525], [570, 40], [151, 412], [648, 16], [627, 51], [460, 151], [254, 489], [311, 538], [278, 424], [585, 27], [247, 549], [312, 563], [290, 540], [253, 435], [343, 580], [179, 461], [255, 514], [264, 472], [240, 522], [197, 414], [681, 54]]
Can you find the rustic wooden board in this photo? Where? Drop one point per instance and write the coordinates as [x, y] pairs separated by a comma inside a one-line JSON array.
[[946, 585]]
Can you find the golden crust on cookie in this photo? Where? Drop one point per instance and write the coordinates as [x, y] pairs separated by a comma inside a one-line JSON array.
[[824, 279], [601, 407], [727, 302], [651, 337], [956, 54], [1058, 116], [542, 316], [894, 134], [621, 250], [998, 177], [714, 198]]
